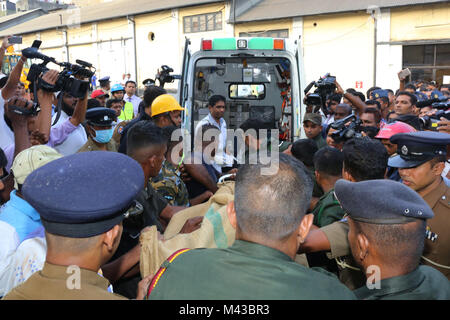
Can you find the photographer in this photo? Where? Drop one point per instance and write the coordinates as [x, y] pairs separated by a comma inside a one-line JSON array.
[[72, 84], [323, 99], [330, 141], [31, 130]]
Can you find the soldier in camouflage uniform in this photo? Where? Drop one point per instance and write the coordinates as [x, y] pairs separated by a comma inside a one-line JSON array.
[[170, 186], [168, 182]]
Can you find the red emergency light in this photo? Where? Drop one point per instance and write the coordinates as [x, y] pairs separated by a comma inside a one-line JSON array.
[[206, 44]]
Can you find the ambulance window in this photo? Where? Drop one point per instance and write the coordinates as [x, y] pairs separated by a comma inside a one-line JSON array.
[[254, 91]]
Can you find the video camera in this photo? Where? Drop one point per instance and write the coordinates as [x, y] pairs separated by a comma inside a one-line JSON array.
[[164, 76], [325, 86], [344, 133], [438, 103], [67, 79], [431, 122], [33, 111]]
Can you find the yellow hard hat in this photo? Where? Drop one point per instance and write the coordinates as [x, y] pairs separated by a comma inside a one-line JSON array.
[[165, 103]]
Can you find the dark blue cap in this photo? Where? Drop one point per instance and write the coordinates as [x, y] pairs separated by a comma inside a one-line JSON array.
[[102, 117], [421, 96], [78, 197], [380, 93], [436, 94], [416, 148], [104, 79], [381, 201]]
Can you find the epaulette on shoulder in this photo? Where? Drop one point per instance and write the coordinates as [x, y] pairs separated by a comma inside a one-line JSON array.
[[163, 268]]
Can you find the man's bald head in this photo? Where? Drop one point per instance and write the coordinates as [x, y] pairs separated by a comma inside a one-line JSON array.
[[342, 110]]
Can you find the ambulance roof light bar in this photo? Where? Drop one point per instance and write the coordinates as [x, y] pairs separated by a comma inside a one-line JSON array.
[[241, 44]]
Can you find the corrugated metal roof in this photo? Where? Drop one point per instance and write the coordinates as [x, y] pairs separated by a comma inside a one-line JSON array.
[[98, 12], [18, 15], [277, 9]]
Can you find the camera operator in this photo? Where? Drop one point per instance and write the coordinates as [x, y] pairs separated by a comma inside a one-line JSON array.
[[324, 99], [73, 111], [330, 141], [371, 121], [342, 110], [31, 129]]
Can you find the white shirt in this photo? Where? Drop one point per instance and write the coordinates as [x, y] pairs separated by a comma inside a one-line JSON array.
[[221, 157], [28, 258], [135, 100], [74, 141], [6, 135]]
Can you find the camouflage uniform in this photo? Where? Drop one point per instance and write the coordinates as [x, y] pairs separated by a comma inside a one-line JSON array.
[[170, 186]]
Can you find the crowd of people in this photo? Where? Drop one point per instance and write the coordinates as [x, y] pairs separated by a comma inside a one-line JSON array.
[[359, 209]]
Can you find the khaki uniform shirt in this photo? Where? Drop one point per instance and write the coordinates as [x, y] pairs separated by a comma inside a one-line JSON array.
[[91, 146], [349, 272], [54, 282], [118, 130], [438, 250]]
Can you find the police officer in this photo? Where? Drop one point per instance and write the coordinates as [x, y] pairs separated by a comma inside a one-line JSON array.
[[82, 209], [260, 263], [387, 223], [99, 123], [420, 160], [382, 96]]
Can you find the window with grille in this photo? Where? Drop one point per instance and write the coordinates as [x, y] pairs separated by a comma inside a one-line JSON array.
[[203, 22], [281, 33], [427, 62]]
